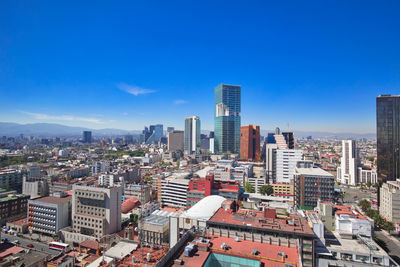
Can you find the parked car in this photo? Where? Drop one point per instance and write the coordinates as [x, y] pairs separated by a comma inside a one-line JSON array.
[[4, 239], [29, 246]]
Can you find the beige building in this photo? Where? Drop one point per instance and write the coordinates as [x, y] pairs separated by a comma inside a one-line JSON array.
[[175, 140], [390, 202], [96, 211], [283, 189]]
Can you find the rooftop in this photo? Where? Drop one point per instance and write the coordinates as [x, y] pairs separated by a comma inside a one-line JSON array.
[[53, 200], [313, 171], [257, 219], [205, 208]]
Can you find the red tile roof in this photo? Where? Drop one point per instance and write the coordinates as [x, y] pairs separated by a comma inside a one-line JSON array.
[[129, 205]]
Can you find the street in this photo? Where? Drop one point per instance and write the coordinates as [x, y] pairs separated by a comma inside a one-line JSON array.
[[351, 192], [23, 242]]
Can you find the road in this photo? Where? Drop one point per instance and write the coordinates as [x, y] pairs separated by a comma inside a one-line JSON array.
[[390, 246], [23, 242], [350, 192]]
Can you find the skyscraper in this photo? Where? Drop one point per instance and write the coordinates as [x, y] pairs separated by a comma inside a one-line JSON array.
[[192, 135], [289, 137], [250, 143], [388, 137], [349, 163], [87, 136], [175, 140], [227, 119]]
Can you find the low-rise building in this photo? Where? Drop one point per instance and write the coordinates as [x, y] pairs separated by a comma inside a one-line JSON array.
[[13, 207], [141, 192], [49, 214]]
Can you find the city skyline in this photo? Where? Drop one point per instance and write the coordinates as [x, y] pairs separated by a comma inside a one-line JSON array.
[[164, 65]]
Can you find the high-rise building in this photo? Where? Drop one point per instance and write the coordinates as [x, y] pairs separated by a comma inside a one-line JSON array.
[[192, 135], [349, 163], [175, 140], [87, 137], [389, 201], [227, 119], [388, 137], [96, 211], [250, 143], [289, 137], [170, 129], [285, 164]]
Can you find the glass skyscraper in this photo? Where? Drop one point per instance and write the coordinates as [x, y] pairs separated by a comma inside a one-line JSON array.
[[388, 137], [192, 135], [227, 119]]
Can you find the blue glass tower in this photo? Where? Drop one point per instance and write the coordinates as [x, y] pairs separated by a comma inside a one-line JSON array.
[[227, 119]]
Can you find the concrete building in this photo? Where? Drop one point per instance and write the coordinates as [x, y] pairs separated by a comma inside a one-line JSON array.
[[176, 140], [312, 185], [270, 162], [350, 223], [49, 214], [35, 188], [173, 190], [106, 179], [389, 201], [12, 179], [227, 119], [286, 160], [33, 171], [367, 176], [141, 192], [192, 140], [100, 166], [12, 207], [349, 163], [250, 143], [96, 211]]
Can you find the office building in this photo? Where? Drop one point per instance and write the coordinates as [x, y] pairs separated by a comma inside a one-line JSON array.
[[289, 138], [312, 185], [200, 188], [172, 191], [367, 176], [151, 135], [176, 140], [87, 137], [285, 163], [170, 129], [349, 163], [389, 202], [227, 119], [250, 143], [49, 214], [270, 162], [96, 211], [388, 137], [192, 135], [33, 171]]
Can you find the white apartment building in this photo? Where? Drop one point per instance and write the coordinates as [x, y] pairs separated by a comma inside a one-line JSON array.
[[349, 163], [286, 160], [106, 179], [173, 191], [96, 211], [365, 176], [390, 202], [192, 135], [49, 214]]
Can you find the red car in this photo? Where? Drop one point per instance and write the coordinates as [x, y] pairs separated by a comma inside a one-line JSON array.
[[29, 246]]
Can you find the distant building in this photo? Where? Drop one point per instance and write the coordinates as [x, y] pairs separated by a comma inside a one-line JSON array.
[[175, 140], [192, 135], [49, 214], [33, 171], [87, 137], [250, 143], [289, 137], [141, 192], [388, 137], [106, 179], [170, 129], [227, 119], [312, 185], [12, 179]]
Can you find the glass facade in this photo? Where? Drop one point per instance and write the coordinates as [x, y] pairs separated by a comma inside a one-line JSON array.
[[388, 137], [227, 119]]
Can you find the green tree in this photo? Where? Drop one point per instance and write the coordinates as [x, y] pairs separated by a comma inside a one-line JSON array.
[[134, 218], [369, 184], [365, 205], [339, 183], [388, 226], [249, 188], [266, 190]]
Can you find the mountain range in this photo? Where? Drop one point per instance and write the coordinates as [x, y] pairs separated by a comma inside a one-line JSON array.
[[53, 129]]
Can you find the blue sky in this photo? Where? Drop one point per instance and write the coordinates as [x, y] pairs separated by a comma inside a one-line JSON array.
[[317, 65]]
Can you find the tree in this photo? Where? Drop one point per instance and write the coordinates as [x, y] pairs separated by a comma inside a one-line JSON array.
[[364, 204], [339, 182], [266, 190], [134, 218], [249, 188], [388, 226], [369, 184]]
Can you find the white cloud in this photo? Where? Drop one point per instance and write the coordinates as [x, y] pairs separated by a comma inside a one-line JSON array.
[[134, 90], [180, 101], [41, 116]]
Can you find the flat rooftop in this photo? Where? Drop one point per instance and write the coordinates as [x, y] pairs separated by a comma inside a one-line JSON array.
[[312, 171], [256, 219], [52, 200], [267, 254]]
